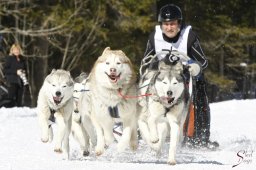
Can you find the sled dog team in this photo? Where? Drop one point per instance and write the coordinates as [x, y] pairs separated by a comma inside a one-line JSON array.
[[90, 106]]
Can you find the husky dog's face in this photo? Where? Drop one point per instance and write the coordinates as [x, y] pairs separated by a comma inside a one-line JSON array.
[[169, 86], [113, 68], [60, 86]]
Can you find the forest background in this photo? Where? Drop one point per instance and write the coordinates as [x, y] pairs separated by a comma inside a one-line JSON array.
[[71, 34]]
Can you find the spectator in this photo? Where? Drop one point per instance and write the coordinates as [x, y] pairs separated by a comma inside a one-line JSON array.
[[15, 74]]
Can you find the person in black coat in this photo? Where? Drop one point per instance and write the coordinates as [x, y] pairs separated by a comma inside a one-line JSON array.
[[15, 74]]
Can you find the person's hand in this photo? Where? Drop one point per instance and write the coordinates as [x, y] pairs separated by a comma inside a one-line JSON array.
[[194, 69], [19, 72]]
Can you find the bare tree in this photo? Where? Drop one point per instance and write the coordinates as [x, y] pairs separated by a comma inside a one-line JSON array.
[[44, 30]]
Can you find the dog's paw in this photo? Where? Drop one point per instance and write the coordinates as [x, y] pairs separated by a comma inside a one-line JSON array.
[[133, 145], [99, 151], [44, 140], [64, 156], [154, 139], [86, 153], [58, 150], [171, 162], [45, 135]]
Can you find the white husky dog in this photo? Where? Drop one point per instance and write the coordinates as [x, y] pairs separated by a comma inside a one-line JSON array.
[[84, 134], [111, 80], [166, 108], [55, 103]]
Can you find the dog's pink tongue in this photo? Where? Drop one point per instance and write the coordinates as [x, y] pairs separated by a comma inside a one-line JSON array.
[[114, 78], [57, 99]]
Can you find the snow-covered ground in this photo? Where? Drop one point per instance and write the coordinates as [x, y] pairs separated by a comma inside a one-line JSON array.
[[233, 126]]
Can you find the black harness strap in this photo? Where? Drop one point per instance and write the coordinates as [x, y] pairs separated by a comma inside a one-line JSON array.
[[166, 111], [52, 118], [113, 111]]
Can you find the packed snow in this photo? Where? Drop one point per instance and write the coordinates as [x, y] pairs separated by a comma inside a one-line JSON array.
[[233, 125]]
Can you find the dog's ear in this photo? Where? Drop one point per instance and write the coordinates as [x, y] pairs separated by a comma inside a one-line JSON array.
[[163, 66], [105, 50], [77, 79], [68, 72], [53, 70], [178, 67], [70, 83], [83, 75], [48, 77]]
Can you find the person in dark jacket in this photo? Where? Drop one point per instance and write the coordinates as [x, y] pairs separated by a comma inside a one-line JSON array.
[[173, 34], [15, 74]]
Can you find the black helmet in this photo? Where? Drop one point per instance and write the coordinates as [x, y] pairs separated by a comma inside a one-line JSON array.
[[169, 12]]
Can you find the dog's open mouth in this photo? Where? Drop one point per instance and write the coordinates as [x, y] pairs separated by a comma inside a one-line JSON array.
[[57, 99], [113, 77], [168, 100]]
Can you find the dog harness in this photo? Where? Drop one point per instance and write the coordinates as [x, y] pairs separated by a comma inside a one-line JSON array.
[[113, 112], [52, 118]]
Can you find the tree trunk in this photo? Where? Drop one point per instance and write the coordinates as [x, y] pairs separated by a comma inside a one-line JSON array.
[[39, 69]]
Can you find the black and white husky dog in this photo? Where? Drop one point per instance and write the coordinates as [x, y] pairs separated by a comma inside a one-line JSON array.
[[165, 107]]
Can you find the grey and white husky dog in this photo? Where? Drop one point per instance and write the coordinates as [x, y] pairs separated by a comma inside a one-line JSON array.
[[55, 103], [165, 108]]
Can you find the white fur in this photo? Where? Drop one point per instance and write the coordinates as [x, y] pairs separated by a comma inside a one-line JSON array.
[[82, 132], [152, 123], [104, 94], [57, 82]]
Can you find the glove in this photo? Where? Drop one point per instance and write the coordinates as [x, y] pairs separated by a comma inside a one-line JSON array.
[[194, 69], [19, 72]]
